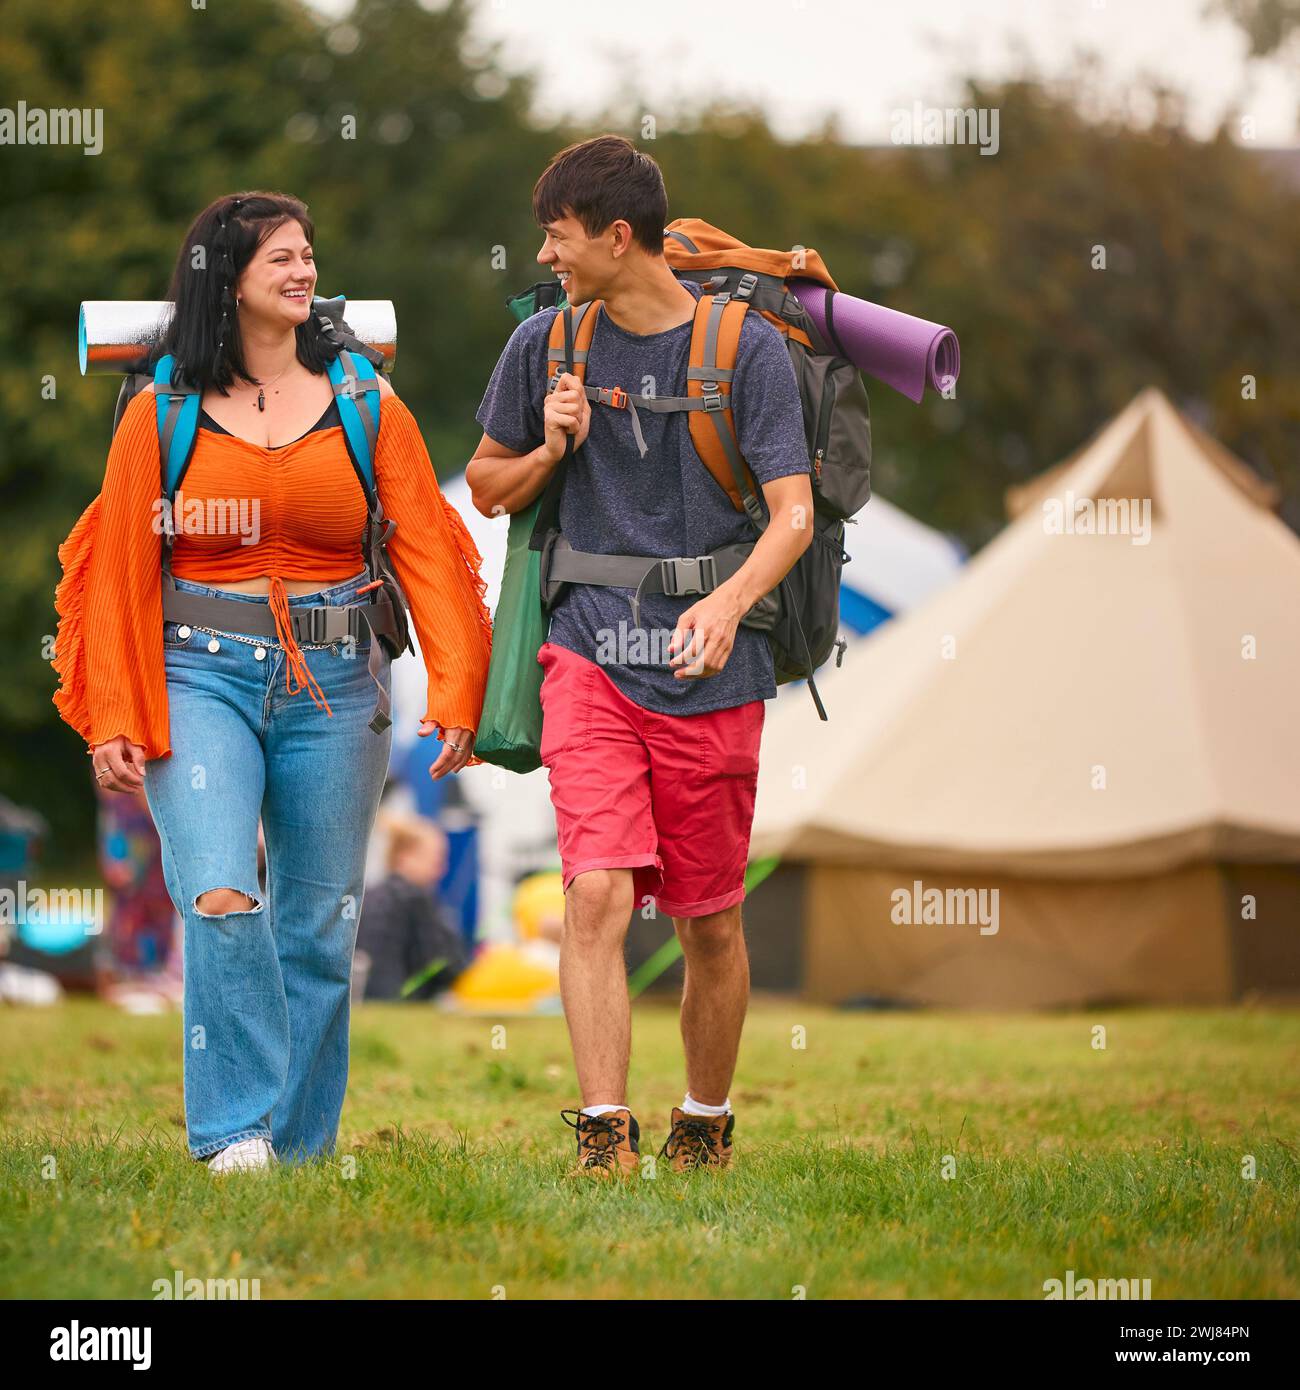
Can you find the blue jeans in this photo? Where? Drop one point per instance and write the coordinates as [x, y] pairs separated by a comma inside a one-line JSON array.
[[267, 989]]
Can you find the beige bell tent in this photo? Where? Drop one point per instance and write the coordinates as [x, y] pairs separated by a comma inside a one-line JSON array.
[[1097, 719]]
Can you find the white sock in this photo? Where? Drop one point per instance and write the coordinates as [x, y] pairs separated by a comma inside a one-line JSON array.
[[594, 1110], [691, 1106]]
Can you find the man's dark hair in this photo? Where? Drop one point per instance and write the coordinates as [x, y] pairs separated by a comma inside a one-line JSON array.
[[601, 180]]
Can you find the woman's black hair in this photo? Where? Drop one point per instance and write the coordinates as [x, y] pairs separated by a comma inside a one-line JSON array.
[[203, 331]]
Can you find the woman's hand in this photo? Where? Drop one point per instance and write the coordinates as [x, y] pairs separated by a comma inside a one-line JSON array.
[[457, 746], [119, 765], [565, 411]]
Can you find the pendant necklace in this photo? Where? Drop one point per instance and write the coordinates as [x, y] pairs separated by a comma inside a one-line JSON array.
[[261, 390]]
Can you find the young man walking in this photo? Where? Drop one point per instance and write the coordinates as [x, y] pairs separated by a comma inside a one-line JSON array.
[[650, 733]]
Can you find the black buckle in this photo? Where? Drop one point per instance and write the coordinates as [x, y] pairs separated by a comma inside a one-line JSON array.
[[748, 283], [317, 620], [712, 396], [701, 575]]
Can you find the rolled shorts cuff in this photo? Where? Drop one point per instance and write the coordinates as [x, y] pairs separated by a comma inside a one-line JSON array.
[[621, 861], [207, 1150], [704, 907]]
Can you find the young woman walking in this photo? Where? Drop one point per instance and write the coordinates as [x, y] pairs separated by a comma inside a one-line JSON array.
[[208, 714]]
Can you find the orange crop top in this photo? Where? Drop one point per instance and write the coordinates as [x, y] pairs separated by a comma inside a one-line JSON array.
[[244, 510]]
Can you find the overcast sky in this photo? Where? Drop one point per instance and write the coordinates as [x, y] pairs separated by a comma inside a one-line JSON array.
[[804, 58]]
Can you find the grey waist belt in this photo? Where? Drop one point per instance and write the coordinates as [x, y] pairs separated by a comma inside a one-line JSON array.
[[319, 624], [647, 574]]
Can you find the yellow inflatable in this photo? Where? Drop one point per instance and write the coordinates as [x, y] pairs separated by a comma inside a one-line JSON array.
[[519, 977], [505, 978], [538, 907]]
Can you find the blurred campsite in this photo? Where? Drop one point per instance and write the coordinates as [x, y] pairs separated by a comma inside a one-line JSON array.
[[416, 150]]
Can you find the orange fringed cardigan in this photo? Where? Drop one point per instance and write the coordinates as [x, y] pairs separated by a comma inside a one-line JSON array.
[[311, 513]]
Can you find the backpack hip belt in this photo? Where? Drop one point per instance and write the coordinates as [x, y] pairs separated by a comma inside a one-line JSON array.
[[674, 575], [319, 624]]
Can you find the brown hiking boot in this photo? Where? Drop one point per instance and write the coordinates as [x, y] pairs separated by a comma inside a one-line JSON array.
[[608, 1144], [698, 1141]]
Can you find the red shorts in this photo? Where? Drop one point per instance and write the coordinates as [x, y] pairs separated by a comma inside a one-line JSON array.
[[669, 796]]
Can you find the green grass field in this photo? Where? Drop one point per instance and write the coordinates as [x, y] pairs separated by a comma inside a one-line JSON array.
[[450, 1178]]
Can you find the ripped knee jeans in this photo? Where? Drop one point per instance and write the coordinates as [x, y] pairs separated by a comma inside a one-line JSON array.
[[266, 984]]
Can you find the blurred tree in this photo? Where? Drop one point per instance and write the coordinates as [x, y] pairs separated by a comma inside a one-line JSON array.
[[1268, 25], [194, 103], [426, 201], [417, 199]]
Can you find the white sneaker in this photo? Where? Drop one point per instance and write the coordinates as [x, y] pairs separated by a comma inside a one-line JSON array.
[[247, 1153]]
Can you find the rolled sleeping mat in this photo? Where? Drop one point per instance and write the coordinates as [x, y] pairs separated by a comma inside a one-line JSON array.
[[113, 333], [904, 352]]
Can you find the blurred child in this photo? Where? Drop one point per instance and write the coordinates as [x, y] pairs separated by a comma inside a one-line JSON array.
[[404, 931]]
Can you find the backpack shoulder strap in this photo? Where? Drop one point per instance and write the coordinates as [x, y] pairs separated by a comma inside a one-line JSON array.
[[579, 323], [356, 390], [132, 384], [715, 341], [567, 349], [178, 423]]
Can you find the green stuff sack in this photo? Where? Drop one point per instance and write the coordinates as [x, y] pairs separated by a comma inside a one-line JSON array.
[[510, 730], [545, 294]]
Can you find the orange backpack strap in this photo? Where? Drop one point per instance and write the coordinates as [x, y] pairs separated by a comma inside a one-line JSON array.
[[570, 339], [715, 340], [584, 326]]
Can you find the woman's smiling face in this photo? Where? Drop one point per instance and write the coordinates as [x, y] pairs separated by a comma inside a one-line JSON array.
[[277, 285]]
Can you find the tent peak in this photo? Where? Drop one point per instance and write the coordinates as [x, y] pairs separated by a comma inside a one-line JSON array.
[[1127, 441]]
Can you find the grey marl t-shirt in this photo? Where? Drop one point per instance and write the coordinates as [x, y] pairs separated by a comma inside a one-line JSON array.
[[617, 503]]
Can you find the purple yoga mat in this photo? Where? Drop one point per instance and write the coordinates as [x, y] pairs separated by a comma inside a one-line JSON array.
[[904, 352]]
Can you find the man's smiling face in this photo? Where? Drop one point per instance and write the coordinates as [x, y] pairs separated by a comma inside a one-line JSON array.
[[583, 264]]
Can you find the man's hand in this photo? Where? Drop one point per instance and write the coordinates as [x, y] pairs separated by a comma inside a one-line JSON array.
[[451, 759], [119, 765], [712, 623], [566, 411]]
